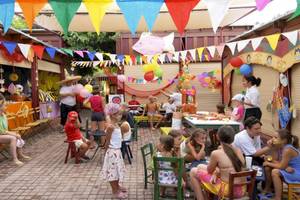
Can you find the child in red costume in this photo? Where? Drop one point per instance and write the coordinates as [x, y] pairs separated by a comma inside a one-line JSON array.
[[73, 134]]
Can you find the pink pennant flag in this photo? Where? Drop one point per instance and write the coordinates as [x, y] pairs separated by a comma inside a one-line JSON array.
[[261, 4], [80, 53], [220, 50]]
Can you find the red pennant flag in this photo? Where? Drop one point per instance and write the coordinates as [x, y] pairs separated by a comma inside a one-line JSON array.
[[38, 50], [180, 12], [132, 59]]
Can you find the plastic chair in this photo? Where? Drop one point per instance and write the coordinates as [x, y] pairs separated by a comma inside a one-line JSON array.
[[126, 150], [147, 153], [293, 190], [179, 162], [250, 177], [74, 152]]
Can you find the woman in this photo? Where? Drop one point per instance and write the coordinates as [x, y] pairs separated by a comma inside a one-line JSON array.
[[252, 97], [214, 177], [98, 117], [288, 168]]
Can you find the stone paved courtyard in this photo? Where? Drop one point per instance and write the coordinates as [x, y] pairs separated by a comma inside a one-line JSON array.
[[47, 177]]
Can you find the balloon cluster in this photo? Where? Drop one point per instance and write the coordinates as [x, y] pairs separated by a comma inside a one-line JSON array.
[[241, 68], [184, 80], [208, 80], [83, 92], [151, 70], [189, 92]]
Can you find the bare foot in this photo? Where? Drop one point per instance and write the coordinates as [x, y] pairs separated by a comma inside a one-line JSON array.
[[152, 129], [25, 157], [120, 195], [122, 189], [18, 163]]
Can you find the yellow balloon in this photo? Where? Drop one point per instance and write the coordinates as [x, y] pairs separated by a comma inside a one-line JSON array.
[[150, 67], [89, 88]]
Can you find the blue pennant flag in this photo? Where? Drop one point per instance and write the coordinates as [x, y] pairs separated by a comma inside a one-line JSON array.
[[51, 51], [91, 55], [151, 10], [132, 11], [120, 57], [7, 13], [10, 46]]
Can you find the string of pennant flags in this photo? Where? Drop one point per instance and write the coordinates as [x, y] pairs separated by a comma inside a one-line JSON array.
[[133, 11], [96, 58]]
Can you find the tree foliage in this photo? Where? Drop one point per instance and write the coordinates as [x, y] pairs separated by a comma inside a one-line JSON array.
[[18, 23], [104, 42]]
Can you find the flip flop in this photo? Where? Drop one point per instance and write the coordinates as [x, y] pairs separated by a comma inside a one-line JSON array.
[[120, 195]]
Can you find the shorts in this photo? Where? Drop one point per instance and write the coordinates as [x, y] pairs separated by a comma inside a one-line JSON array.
[[78, 143], [169, 116], [151, 113], [98, 117]]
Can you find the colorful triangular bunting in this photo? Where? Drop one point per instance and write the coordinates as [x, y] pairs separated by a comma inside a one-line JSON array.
[[273, 40], [38, 50], [51, 51], [24, 48], [7, 8], [10, 46], [292, 36]]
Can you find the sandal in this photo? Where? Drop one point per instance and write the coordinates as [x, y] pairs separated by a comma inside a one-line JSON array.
[[123, 189], [120, 195]]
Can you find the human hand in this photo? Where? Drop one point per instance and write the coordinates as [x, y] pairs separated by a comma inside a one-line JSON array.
[[290, 170], [18, 136], [266, 164], [270, 143]]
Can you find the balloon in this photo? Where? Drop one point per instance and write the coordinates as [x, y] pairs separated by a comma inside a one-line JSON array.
[[246, 69], [237, 71], [78, 87], [151, 67], [149, 76], [121, 78], [236, 62], [207, 79], [158, 72], [89, 88]]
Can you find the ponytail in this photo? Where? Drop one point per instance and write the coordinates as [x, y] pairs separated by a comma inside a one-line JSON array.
[[295, 141], [236, 162], [253, 80], [290, 139]]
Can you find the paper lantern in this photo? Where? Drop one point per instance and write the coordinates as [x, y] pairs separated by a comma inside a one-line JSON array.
[[245, 69], [89, 88], [149, 76], [236, 62], [121, 78]]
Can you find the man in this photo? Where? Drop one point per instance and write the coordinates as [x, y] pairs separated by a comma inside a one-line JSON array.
[[249, 142], [177, 97], [133, 105]]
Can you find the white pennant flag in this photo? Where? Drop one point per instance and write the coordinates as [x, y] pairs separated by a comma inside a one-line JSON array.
[[256, 42], [220, 49], [193, 54], [24, 49], [112, 58], [231, 46], [99, 56], [95, 63], [242, 44], [217, 10], [292, 36], [161, 58], [212, 50], [149, 58], [183, 55], [176, 56]]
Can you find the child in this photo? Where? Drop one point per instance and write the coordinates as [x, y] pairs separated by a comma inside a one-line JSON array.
[[72, 130], [97, 105], [153, 111], [113, 169], [177, 136], [134, 105], [193, 149], [12, 138], [228, 111], [169, 107], [125, 127], [288, 168], [220, 109], [238, 111]]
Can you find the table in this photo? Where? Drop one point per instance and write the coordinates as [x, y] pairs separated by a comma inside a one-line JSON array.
[[211, 124]]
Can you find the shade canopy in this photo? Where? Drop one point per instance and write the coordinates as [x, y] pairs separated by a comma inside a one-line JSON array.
[[114, 20]]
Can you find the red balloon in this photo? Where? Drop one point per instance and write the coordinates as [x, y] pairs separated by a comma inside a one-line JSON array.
[[236, 62], [149, 76]]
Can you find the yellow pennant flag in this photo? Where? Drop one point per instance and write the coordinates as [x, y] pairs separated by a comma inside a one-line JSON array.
[[30, 9], [273, 40], [97, 9], [155, 58], [200, 51], [127, 59]]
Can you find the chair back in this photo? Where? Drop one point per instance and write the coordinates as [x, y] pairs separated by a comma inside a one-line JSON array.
[[250, 177], [147, 153], [178, 170], [13, 118]]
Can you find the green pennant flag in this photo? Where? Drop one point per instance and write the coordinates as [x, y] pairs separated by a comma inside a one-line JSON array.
[[64, 11], [297, 11], [67, 51], [138, 59]]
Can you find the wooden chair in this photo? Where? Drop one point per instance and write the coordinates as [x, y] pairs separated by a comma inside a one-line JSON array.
[[15, 118], [3, 151], [250, 177], [147, 153], [32, 116], [126, 150], [73, 151], [293, 191], [179, 162]]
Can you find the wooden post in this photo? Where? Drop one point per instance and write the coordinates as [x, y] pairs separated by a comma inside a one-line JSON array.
[[34, 83], [62, 71]]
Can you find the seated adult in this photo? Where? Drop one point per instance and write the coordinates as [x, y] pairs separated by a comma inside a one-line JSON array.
[[249, 142], [170, 108], [133, 105], [214, 177], [125, 127]]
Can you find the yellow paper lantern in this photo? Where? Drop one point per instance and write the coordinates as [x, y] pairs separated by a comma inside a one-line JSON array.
[[89, 88]]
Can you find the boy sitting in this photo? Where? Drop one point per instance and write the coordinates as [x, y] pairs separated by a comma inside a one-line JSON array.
[[74, 135], [153, 111]]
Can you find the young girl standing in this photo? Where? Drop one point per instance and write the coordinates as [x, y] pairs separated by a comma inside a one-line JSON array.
[[289, 167], [113, 169]]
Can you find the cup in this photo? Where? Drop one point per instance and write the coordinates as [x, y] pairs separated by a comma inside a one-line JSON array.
[[248, 162]]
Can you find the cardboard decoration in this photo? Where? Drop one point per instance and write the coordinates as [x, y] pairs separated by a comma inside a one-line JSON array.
[[283, 80]]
